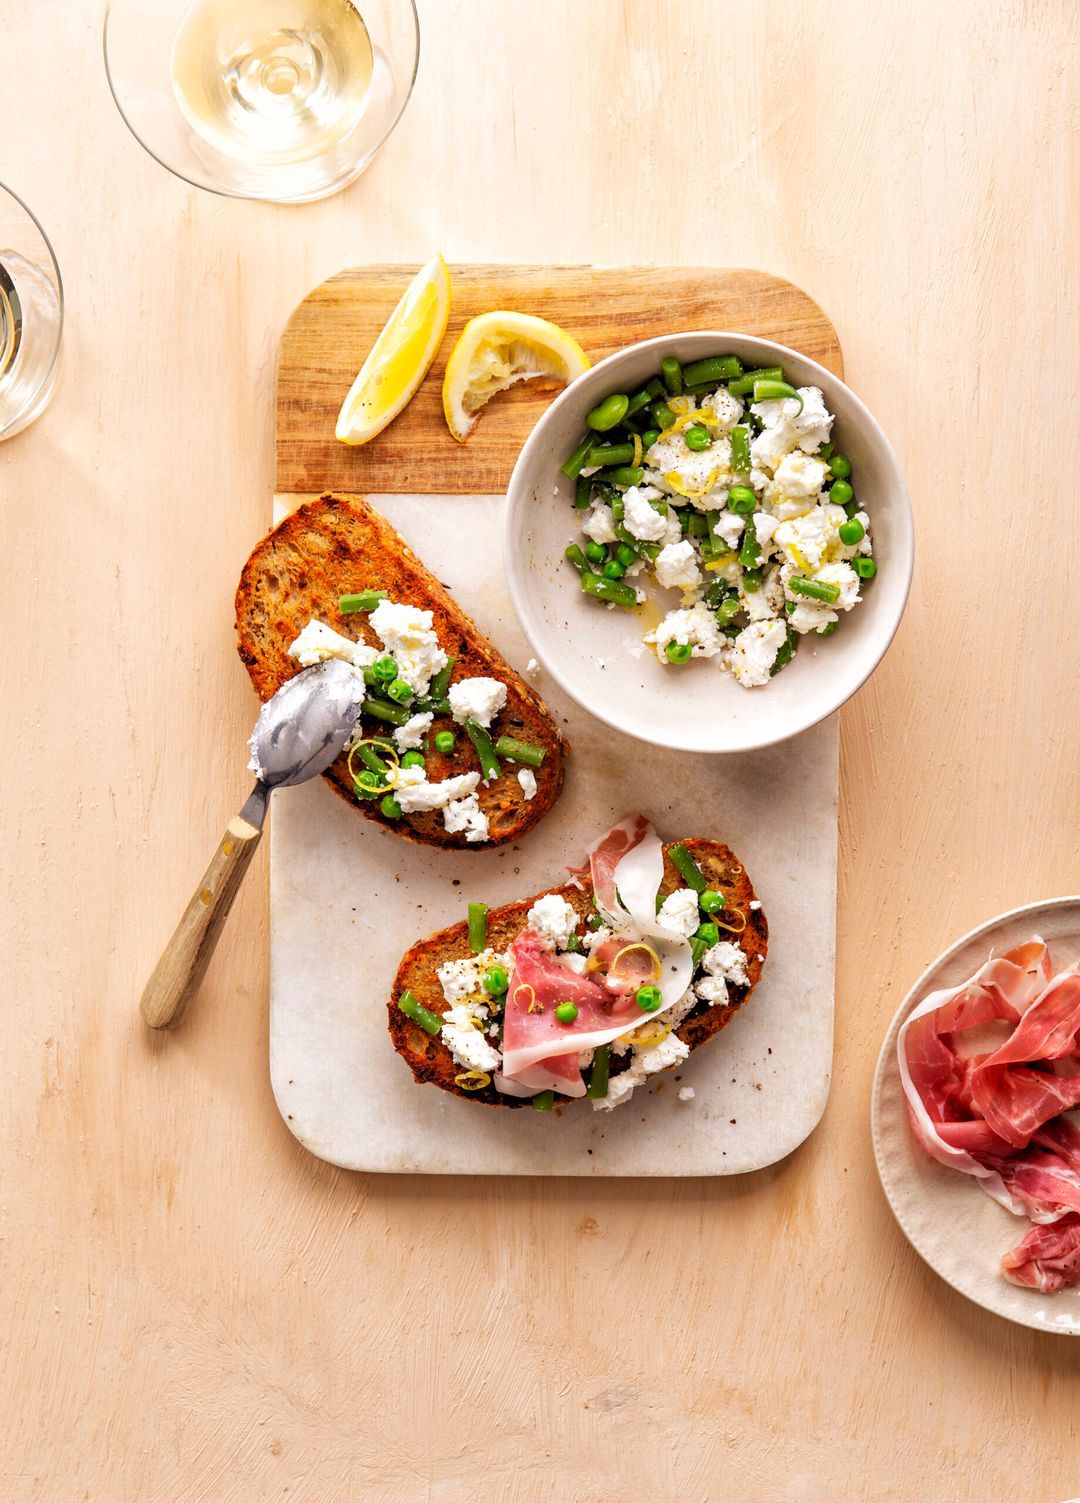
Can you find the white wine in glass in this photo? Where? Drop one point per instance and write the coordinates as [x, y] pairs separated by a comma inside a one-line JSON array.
[[276, 99]]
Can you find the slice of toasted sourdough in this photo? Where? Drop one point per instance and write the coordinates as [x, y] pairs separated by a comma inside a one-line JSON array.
[[340, 545], [431, 1061]]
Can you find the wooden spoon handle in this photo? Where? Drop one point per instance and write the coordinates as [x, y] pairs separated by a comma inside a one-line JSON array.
[[185, 958]]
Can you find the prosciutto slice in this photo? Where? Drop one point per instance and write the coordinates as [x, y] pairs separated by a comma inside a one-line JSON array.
[[1048, 1259], [627, 867], [997, 1115]]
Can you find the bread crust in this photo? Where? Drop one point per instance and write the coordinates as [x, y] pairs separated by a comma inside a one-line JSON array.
[[431, 1061], [340, 545]]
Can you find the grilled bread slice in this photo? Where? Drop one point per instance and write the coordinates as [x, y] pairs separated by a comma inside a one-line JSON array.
[[340, 545], [431, 1061]]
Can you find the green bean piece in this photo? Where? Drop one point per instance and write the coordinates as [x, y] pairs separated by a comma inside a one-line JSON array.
[[826, 630], [697, 950], [750, 552], [687, 867], [582, 492], [786, 653], [543, 1101], [514, 750], [481, 740], [865, 568], [728, 609], [596, 553], [840, 465], [371, 759], [382, 709], [368, 784], [814, 589], [445, 741], [663, 416], [852, 509], [701, 389], [575, 556], [399, 691], [649, 437], [428, 1020], [740, 450], [840, 492], [609, 454], [709, 933], [618, 506], [598, 1077], [639, 401], [715, 369], [577, 461], [613, 569], [741, 500], [478, 913], [609, 413], [655, 387], [825, 450], [678, 652], [672, 375], [611, 590], [851, 532], [626, 475], [745, 383], [752, 580], [390, 807], [697, 438], [440, 682], [776, 391], [693, 523], [366, 600]]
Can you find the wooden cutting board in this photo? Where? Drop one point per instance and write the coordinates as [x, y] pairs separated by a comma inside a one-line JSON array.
[[604, 308]]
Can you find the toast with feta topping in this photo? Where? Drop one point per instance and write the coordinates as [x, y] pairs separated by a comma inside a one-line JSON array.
[[288, 615], [437, 972]]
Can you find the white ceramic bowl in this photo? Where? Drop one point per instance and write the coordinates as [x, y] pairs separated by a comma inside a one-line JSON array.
[[596, 654]]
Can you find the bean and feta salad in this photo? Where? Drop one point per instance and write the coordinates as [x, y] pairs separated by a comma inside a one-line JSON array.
[[724, 484]]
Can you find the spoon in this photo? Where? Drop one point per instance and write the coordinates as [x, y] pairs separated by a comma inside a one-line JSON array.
[[299, 733]]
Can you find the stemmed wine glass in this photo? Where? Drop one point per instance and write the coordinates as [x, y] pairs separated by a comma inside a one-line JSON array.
[[31, 316]]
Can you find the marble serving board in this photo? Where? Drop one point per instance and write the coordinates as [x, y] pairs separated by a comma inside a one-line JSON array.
[[348, 898]]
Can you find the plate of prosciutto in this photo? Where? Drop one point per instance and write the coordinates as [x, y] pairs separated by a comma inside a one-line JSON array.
[[975, 1117]]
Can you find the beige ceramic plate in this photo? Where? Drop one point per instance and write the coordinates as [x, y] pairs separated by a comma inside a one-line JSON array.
[[948, 1220]]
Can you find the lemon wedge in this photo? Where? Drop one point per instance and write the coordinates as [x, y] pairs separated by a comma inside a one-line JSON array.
[[400, 358], [496, 350]]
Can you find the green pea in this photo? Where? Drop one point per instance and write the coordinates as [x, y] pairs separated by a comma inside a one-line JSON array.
[[566, 1012], [711, 901], [709, 934], [840, 493], [609, 413], [390, 807], [852, 532], [865, 568], [649, 998], [413, 759], [496, 981], [741, 500], [613, 569], [840, 465], [385, 670], [626, 555], [649, 437], [399, 691], [697, 438], [596, 552], [678, 652], [445, 741]]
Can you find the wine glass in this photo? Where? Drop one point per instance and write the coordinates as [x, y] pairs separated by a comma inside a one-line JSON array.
[[287, 100], [31, 316]]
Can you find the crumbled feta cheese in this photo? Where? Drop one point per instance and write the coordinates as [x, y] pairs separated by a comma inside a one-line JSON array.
[[574, 961], [406, 633], [691, 468], [478, 699], [677, 566], [640, 519], [461, 980], [811, 615], [843, 575], [754, 652], [767, 600], [803, 541], [599, 525], [318, 642], [464, 816], [798, 476], [686, 1093], [532, 669], [594, 938], [527, 778], [679, 912], [713, 990], [754, 905], [669, 1051], [470, 1048], [726, 409], [415, 794], [807, 429], [410, 736], [728, 960], [554, 919], [695, 625], [730, 528]]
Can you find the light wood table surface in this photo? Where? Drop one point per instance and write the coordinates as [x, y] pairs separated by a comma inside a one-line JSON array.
[[194, 1308]]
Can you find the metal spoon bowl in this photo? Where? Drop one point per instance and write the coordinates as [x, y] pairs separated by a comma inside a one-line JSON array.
[[299, 733]]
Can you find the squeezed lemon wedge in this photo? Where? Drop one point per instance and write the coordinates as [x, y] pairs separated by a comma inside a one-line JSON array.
[[496, 350], [400, 358]]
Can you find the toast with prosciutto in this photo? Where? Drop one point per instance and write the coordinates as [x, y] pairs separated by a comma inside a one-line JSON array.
[[590, 988]]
